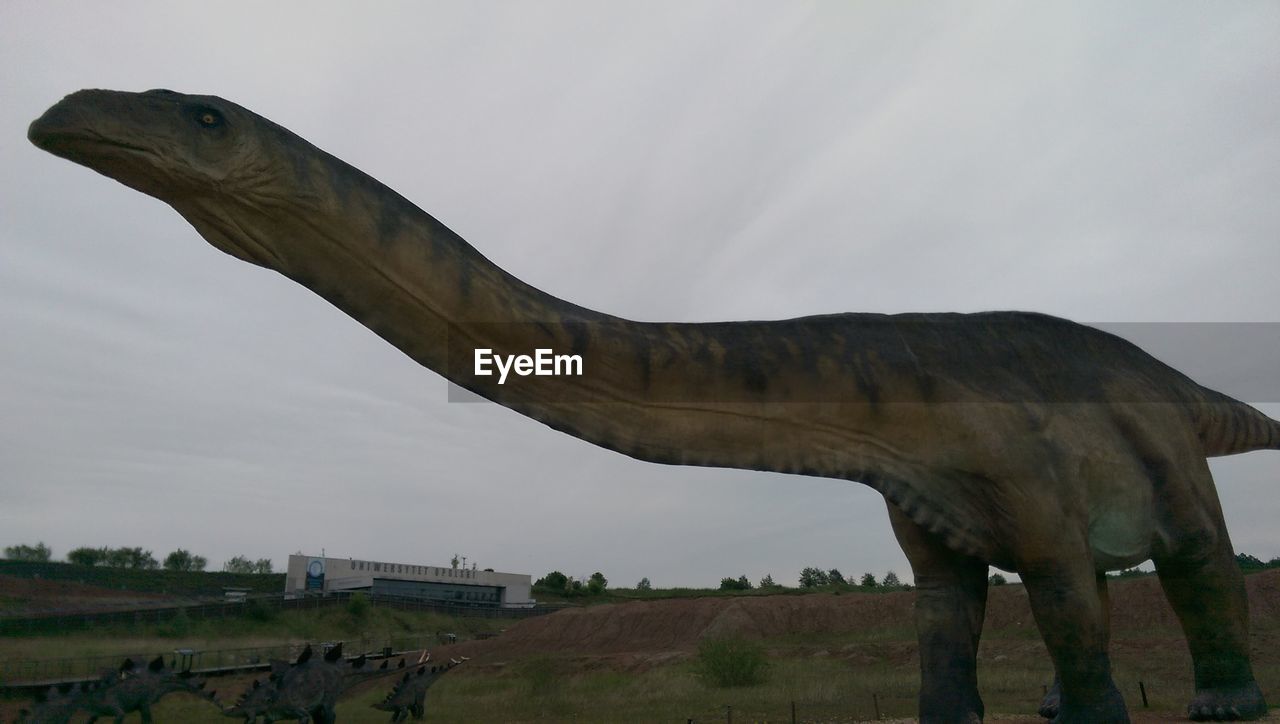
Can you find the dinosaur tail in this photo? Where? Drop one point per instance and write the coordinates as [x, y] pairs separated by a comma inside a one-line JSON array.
[[1229, 427]]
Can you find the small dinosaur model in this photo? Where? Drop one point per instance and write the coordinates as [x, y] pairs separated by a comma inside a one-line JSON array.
[[255, 702], [1016, 440], [307, 690], [410, 693], [55, 706], [137, 690]]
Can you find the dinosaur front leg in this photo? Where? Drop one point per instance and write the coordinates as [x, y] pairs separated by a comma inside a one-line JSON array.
[[1064, 598], [951, 600], [1049, 705], [1206, 589]]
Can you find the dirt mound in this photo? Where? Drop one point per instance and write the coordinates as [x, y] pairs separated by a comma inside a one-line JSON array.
[[677, 625], [36, 597]]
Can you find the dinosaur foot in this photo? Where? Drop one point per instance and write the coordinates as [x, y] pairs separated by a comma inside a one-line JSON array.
[[1049, 704], [1233, 703]]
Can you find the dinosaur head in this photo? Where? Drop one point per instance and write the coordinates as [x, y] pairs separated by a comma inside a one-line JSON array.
[[207, 157]]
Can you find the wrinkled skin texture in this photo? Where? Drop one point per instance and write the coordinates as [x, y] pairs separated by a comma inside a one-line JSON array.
[[1017, 440]]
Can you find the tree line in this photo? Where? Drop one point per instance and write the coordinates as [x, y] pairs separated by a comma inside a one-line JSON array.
[[559, 584], [135, 558]]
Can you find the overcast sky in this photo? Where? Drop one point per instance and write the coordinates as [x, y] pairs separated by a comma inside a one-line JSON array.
[[690, 161]]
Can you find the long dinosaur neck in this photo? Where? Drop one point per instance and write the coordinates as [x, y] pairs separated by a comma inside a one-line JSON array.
[[686, 394]]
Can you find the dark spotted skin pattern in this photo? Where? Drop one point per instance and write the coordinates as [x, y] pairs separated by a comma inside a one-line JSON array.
[[1017, 440]]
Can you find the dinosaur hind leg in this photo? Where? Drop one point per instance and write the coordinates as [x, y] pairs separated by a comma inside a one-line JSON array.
[[951, 601], [1049, 705], [1204, 586]]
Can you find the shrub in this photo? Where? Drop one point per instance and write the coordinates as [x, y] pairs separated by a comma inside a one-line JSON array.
[[741, 583], [725, 662], [256, 610], [358, 605], [176, 627], [644, 585], [997, 579]]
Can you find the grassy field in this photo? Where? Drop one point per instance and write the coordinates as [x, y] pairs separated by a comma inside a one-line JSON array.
[[824, 687], [830, 679], [848, 669]]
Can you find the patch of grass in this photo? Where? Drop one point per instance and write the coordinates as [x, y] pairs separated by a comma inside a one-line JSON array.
[[178, 626], [729, 662]]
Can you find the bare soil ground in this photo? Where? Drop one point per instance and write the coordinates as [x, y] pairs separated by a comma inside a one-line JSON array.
[[35, 597], [1140, 616]]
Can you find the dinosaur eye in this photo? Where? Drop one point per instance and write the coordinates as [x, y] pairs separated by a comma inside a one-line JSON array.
[[209, 118]]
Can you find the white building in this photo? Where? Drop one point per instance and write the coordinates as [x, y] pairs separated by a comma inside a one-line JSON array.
[[315, 574]]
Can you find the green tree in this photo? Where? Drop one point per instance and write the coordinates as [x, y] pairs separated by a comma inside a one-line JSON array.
[[868, 581], [767, 581], [238, 564], [1248, 562], [554, 581], [263, 565], [644, 585], [182, 560], [741, 583], [597, 583], [835, 577], [813, 577], [131, 558], [86, 556], [891, 580], [38, 553], [997, 580]]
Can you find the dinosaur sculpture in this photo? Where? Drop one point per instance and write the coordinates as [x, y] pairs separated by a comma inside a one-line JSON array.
[[254, 702], [1009, 439], [410, 693], [56, 706], [307, 690], [117, 694]]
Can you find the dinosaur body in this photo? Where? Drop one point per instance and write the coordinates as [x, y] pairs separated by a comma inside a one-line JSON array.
[[1017, 440], [124, 692], [409, 695], [254, 703], [55, 707], [306, 690]]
